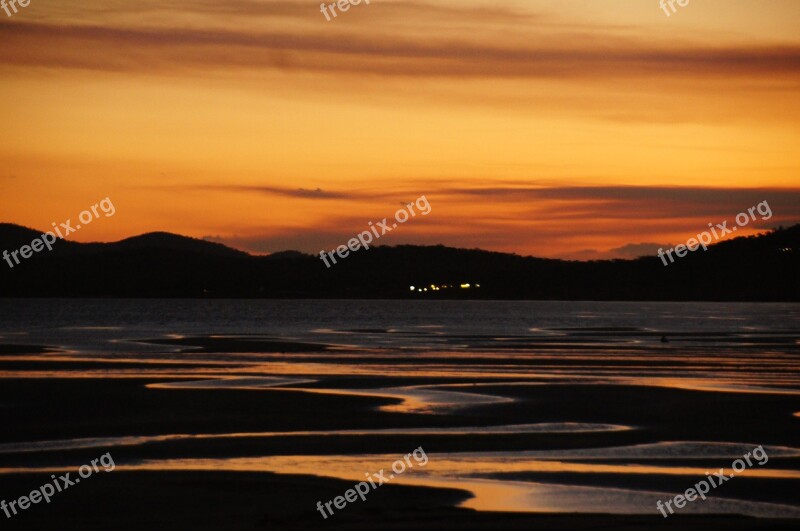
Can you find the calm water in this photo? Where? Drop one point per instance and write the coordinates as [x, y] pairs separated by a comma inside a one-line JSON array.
[[87, 323]]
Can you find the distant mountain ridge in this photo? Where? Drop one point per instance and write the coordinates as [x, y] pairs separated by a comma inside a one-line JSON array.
[[14, 236], [160, 264], [167, 240]]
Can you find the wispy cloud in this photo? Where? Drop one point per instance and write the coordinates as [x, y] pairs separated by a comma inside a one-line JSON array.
[[301, 193], [552, 221], [569, 56], [655, 202]]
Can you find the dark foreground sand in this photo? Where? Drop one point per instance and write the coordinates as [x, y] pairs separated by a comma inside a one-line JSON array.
[[245, 501], [122, 500]]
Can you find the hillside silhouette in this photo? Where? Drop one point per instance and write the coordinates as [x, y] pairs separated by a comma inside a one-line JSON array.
[[754, 268]]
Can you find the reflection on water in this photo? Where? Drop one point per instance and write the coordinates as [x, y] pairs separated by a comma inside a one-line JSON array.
[[102, 442], [457, 471], [231, 382], [490, 363], [772, 371]]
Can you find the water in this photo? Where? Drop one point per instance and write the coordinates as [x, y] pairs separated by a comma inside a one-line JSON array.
[[530, 406], [85, 323]]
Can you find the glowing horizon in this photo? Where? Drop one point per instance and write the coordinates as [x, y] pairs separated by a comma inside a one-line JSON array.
[[574, 129]]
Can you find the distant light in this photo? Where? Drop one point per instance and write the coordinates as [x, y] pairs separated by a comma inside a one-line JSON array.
[[477, 285], [464, 286], [425, 289], [412, 288]]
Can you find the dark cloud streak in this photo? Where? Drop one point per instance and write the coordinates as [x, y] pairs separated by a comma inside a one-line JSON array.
[[185, 49]]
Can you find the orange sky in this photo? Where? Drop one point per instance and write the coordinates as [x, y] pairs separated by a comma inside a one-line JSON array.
[[565, 128]]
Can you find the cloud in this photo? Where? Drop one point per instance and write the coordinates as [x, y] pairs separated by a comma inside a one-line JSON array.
[[402, 195], [573, 55], [304, 10], [301, 193], [643, 202], [546, 221]]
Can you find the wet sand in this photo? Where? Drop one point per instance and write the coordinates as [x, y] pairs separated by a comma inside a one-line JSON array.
[[237, 433], [241, 501]]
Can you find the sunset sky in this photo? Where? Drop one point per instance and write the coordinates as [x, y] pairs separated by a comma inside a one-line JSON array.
[[563, 128]]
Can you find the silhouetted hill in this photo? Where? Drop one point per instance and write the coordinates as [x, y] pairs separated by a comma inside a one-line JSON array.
[[13, 237], [174, 242], [166, 265], [287, 255], [10, 232]]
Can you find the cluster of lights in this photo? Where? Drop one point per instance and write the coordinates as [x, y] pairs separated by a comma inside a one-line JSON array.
[[434, 287]]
